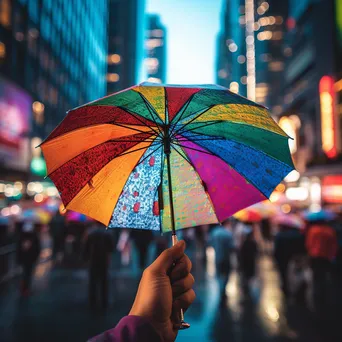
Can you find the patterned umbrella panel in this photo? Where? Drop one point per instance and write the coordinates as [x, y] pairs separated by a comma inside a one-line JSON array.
[[108, 158]]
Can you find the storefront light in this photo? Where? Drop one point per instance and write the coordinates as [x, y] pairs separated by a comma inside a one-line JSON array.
[[31, 186], [329, 128], [285, 208], [15, 209], [293, 176], [38, 198], [18, 185], [297, 194], [5, 212], [9, 191]]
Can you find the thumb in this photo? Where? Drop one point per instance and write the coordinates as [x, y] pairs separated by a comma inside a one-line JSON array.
[[168, 257]]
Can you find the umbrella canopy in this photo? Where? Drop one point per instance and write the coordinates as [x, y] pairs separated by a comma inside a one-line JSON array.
[[322, 215], [167, 156], [289, 220], [35, 215], [73, 216], [248, 215]]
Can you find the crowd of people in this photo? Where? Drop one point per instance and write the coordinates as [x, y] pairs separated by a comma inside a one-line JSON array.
[[307, 255], [314, 248]]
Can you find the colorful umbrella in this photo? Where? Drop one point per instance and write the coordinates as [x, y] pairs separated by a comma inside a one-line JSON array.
[[290, 220], [248, 215], [35, 215], [118, 159], [322, 215], [73, 216], [165, 157]]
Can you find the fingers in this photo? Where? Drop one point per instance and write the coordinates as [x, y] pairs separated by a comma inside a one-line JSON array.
[[181, 269], [170, 256], [184, 301], [183, 285]]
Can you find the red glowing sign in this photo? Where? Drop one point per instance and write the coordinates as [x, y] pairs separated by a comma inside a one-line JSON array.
[[332, 189], [328, 116]]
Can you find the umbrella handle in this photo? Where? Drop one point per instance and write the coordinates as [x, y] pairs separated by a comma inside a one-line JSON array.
[[183, 325]]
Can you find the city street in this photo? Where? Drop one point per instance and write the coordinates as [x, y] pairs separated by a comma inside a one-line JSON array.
[[58, 310]]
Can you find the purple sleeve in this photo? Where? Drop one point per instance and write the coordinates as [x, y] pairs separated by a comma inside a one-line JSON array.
[[129, 329]]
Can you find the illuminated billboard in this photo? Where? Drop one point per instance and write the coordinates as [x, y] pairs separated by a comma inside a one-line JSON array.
[[329, 128], [15, 120]]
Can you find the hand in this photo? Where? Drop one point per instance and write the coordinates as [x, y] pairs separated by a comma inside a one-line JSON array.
[[164, 289]]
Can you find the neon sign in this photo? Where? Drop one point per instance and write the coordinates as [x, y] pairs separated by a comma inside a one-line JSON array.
[[328, 119]]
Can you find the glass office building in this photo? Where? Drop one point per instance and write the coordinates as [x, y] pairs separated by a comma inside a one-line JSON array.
[[57, 51], [54, 52]]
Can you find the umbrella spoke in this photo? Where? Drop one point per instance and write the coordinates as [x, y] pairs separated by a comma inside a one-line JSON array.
[[152, 112], [194, 149], [173, 125], [135, 129], [209, 123], [136, 116], [194, 118], [142, 160]]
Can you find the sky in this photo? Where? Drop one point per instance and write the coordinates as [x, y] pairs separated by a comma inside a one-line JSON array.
[[192, 28]]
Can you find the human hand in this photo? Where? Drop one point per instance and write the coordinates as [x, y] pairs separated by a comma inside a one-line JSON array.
[[164, 290]]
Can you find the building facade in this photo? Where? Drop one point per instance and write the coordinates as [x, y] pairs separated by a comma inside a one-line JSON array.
[[126, 35], [270, 21], [155, 45], [311, 101], [231, 70], [53, 54]]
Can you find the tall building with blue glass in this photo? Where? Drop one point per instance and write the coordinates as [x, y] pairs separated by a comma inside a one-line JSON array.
[[56, 52], [231, 69], [126, 36]]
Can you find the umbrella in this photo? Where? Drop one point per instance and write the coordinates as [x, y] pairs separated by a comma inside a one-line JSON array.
[[322, 215], [73, 216], [290, 220], [165, 157], [248, 215], [35, 215]]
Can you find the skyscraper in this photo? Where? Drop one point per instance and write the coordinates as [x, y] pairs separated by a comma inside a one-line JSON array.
[[155, 45], [270, 19], [54, 53], [231, 47], [126, 30]]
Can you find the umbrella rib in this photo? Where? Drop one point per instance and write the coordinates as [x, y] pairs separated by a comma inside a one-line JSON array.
[[182, 131], [247, 179], [134, 129], [134, 115], [194, 118], [142, 160], [194, 149], [147, 104], [48, 175], [199, 177], [214, 138], [183, 111]]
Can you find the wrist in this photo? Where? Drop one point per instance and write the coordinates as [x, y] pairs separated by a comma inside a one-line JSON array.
[[148, 321]]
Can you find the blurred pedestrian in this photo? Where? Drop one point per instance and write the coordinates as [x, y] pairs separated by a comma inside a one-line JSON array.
[[57, 231], [266, 235], [247, 260], [142, 240], [321, 244], [28, 250], [221, 239], [98, 249], [289, 244]]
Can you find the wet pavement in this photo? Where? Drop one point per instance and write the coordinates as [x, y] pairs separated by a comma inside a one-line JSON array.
[[58, 310]]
